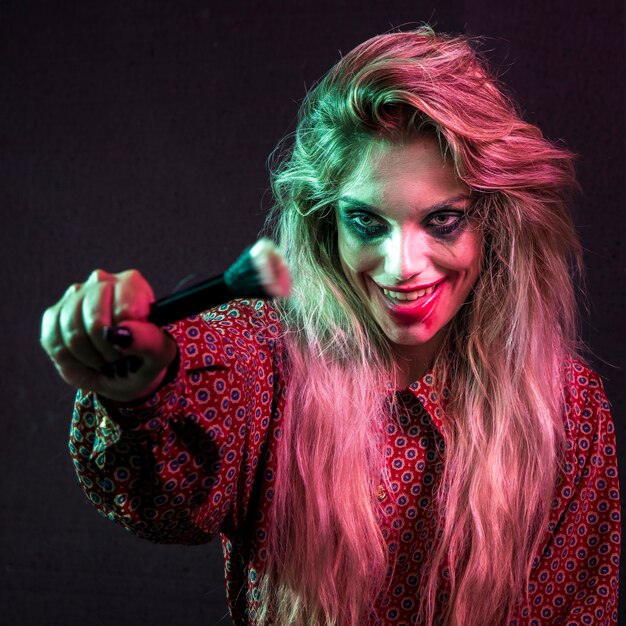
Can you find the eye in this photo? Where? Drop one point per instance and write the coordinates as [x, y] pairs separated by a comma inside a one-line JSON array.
[[364, 220], [447, 221], [364, 224], [443, 219]]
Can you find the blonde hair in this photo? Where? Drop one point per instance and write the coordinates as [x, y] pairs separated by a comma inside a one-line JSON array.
[[327, 559]]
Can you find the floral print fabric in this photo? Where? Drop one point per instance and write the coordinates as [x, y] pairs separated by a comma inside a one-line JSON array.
[[197, 460]]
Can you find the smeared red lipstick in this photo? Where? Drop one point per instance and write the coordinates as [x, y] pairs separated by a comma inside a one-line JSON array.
[[413, 311], [406, 289]]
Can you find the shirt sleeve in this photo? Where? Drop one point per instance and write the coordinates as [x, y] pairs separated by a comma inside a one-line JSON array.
[[576, 581], [184, 464]]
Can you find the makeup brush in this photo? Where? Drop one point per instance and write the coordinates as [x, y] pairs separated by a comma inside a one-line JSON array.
[[260, 272]]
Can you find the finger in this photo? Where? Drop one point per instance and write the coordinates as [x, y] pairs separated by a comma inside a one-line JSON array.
[[149, 353], [77, 375], [49, 337], [71, 370], [73, 333], [97, 315], [98, 276], [132, 297], [146, 361], [147, 341]]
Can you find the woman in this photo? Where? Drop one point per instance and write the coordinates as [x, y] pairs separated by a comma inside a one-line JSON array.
[[412, 436]]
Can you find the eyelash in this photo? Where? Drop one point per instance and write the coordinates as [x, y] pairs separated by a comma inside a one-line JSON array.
[[441, 231]]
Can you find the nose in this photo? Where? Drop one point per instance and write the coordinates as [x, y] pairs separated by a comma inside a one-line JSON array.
[[406, 256]]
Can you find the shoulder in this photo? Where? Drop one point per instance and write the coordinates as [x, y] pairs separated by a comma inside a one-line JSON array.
[[583, 387], [250, 324], [588, 418], [242, 315], [238, 317], [239, 327]]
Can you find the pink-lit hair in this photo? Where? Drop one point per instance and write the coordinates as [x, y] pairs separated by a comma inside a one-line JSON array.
[[327, 558]]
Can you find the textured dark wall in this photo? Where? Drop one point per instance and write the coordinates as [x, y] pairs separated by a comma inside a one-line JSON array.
[[135, 134]]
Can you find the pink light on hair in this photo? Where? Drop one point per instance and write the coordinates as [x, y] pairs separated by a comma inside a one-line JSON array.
[[327, 559]]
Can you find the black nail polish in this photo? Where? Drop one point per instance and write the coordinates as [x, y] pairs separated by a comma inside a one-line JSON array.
[[119, 336], [121, 368], [133, 363]]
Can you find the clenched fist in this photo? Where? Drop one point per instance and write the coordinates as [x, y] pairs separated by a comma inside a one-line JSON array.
[[99, 339]]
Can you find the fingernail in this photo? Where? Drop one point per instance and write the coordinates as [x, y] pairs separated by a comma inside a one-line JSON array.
[[119, 336], [133, 363], [121, 368]]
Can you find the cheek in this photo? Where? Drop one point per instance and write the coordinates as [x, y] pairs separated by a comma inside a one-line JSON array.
[[345, 257], [475, 254], [354, 256], [466, 257]]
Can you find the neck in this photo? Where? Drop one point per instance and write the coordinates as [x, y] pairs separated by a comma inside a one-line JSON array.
[[409, 372], [414, 361]]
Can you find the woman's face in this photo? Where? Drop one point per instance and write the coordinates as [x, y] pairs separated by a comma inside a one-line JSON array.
[[402, 227]]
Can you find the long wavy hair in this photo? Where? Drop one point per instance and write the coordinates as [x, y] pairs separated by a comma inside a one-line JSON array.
[[327, 560]]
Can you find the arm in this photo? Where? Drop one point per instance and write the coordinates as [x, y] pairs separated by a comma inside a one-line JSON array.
[[182, 466], [168, 451]]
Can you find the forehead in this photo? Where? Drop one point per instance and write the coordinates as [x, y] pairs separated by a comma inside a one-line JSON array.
[[393, 172]]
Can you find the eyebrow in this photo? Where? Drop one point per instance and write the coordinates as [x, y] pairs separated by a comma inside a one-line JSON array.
[[357, 204]]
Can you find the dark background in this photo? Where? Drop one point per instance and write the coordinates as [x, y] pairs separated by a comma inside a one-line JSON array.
[[135, 134]]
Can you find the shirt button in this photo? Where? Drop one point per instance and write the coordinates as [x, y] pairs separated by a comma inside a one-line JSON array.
[[380, 493]]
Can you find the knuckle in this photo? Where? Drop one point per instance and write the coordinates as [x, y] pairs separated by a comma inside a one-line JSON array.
[[48, 319], [75, 340], [129, 310], [132, 276], [48, 326], [98, 275], [94, 304], [51, 312], [72, 290], [45, 342]]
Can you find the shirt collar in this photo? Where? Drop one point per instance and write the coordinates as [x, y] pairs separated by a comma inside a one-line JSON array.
[[434, 397]]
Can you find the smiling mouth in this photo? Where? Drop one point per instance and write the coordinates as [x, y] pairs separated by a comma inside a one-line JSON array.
[[410, 297]]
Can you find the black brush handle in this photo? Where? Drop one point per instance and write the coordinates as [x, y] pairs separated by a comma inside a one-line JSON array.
[[190, 301], [241, 280]]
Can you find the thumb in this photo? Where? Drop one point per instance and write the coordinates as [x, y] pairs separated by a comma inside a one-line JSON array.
[[142, 339], [146, 353]]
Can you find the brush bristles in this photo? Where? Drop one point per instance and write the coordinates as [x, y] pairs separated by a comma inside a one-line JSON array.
[[260, 272], [273, 273]]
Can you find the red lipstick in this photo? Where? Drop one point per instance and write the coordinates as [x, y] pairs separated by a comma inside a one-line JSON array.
[[413, 311], [409, 289]]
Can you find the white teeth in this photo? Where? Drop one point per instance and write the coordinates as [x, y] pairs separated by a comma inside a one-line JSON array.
[[410, 295]]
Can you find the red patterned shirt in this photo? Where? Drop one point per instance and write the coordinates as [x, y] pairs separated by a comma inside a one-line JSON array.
[[197, 460]]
